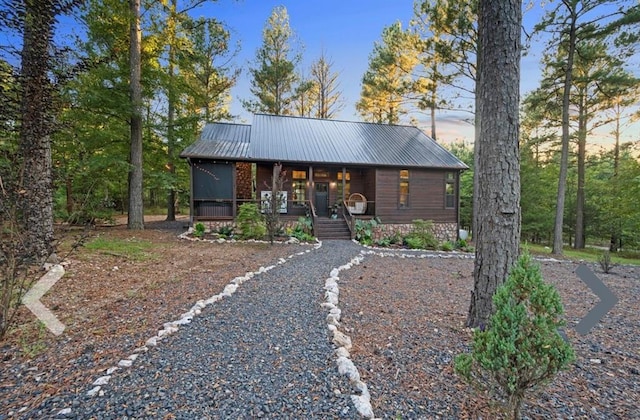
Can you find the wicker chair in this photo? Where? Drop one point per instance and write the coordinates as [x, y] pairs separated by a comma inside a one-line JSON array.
[[357, 203]]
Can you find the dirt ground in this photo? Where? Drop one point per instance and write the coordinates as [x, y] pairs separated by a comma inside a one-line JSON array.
[[405, 317], [111, 302]]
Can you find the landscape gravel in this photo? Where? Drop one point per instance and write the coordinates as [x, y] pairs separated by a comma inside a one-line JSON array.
[[264, 351]]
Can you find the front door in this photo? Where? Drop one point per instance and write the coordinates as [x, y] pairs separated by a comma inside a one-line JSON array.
[[321, 200]]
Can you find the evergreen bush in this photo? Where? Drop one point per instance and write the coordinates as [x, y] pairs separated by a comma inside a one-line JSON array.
[[421, 236], [198, 230], [521, 350], [250, 222]]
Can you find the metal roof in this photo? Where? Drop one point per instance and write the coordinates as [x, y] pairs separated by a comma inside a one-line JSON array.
[[221, 141], [310, 140]]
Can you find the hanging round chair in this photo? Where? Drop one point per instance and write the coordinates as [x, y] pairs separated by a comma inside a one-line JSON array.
[[357, 203]]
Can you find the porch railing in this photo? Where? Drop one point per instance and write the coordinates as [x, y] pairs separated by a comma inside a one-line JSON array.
[[223, 209], [312, 213]]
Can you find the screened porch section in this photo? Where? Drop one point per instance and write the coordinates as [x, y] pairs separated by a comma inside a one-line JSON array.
[[212, 190]]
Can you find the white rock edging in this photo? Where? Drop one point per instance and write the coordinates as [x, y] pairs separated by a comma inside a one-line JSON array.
[[346, 367], [186, 318]]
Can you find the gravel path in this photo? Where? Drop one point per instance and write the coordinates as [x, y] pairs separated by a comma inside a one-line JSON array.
[[265, 351]]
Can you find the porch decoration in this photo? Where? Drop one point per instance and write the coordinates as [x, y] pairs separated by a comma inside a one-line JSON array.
[[357, 203]]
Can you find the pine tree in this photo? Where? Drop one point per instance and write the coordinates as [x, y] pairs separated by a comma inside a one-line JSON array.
[[496, 192], [274, 76], [571, 23], [388, 82], [328, 95]]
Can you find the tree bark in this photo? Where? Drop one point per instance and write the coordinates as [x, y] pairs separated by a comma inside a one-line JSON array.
[[135, 218], [171, 110], [35, 143], [497, 161], [614, 242], [582, 154]]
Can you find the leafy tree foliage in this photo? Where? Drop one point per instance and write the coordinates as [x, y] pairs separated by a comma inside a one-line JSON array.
[[388, 82], [447, 30], [274, 76], [91, 152], [27, 121], [190, 82], [571, 23]]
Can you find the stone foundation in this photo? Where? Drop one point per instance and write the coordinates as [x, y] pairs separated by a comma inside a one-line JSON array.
[[442, 231]]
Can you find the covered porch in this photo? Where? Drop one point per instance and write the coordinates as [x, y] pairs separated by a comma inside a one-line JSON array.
[[220, 188]]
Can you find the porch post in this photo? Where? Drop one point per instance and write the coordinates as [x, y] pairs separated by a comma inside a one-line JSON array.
[[310, 183], [191, 208], [344, 182], [235, 189]]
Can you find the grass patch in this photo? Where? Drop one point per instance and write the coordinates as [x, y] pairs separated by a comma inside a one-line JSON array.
[[134, 249], [589, 254]]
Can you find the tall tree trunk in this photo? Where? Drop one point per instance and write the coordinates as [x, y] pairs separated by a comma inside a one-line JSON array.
[[136, 209], [36, 127], [434, 97], [582, 152], [497, 162], [171, 108], [564, 156], [615, 226], [433, 116]]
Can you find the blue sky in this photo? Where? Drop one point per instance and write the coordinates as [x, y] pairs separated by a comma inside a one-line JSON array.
[[346, 30]]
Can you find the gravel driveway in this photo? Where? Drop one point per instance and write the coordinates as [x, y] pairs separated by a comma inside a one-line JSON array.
[[265, 351]]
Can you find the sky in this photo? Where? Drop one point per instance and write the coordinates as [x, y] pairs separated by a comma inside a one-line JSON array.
[[346, 30]]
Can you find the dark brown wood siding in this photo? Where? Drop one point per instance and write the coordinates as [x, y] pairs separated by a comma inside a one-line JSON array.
[[426, 197]]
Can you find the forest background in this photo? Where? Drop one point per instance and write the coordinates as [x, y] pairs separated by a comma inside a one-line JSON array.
[[205, 61]]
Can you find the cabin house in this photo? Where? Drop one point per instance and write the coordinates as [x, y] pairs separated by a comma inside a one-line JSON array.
[[336, 172]]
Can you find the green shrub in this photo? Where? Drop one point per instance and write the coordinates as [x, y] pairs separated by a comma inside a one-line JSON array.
[[364, 230], [303, 229], [413, 242], [225, 231], [447, 246], [422, 233], [605, 262], [304, 224], [384, 242], [250, 222], [521, 349], [198, 230]]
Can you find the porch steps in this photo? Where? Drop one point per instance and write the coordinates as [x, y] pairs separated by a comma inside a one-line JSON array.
[[331, 229]]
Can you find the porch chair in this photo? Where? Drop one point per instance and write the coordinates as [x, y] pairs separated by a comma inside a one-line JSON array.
[[357, 203]]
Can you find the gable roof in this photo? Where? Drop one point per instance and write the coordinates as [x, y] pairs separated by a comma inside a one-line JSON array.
[[221, 141], [310, 140]]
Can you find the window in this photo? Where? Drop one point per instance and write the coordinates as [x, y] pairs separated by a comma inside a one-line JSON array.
[[450, 191], [403, 202], [299, 188], [347, 186]]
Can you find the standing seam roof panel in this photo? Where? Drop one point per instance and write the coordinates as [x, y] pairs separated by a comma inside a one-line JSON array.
[[308, 140]]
